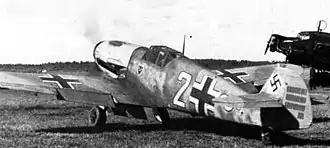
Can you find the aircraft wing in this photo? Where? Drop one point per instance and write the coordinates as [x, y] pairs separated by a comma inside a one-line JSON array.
[[84, 89], [248, 101]]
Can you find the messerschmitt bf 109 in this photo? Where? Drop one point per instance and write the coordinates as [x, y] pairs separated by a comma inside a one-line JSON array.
[[136, 78]]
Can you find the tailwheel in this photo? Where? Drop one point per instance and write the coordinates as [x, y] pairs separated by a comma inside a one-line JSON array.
[[97, 116], [266, 135]]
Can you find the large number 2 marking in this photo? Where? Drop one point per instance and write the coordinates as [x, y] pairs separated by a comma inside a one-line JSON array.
[[182, 76]]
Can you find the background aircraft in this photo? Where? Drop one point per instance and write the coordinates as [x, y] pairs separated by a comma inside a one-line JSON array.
[[135, 78], [309, 48]]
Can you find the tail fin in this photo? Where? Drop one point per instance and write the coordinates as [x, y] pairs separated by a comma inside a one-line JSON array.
[[286, 84]]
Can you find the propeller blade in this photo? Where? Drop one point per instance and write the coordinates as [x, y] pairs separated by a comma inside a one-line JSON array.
[[266, 49], [267, 46], [89, 24]]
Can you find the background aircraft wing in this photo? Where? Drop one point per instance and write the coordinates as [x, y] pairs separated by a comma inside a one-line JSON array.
[[84, 89]]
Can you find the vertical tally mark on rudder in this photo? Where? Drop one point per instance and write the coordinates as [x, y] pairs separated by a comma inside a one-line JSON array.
[[275, 82], [296, 90], [60, 81], [296, 99], [300, 116]]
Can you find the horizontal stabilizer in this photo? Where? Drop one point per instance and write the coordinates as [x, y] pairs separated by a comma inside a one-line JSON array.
[[249, 101]]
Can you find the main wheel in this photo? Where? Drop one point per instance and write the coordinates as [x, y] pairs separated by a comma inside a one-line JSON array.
[[266, 135], [97, 116]]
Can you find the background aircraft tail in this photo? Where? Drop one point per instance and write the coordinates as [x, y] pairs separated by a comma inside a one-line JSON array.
[[286, 84]]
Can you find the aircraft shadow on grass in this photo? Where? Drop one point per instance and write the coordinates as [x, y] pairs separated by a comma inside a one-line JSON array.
[[315, 102], [222, 128], [320, 120]]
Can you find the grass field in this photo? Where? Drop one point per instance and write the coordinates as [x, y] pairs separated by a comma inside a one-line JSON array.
[[29, 120]]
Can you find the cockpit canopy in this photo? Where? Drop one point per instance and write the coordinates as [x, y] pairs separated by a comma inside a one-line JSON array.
[[315, 36], [161, 55], [303, 36]]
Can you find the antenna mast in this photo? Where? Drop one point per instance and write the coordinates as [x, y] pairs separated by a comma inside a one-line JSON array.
[[319, 29], [184, 43]]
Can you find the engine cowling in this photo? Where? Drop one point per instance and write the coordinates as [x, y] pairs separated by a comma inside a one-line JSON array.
[[113, 56]]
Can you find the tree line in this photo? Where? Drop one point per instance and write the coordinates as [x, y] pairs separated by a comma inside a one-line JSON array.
[[87, 65]]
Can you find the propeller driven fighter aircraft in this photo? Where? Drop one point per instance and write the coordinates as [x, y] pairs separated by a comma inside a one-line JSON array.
[[160, 78]]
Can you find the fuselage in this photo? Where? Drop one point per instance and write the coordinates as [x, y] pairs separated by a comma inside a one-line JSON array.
[[165, 78], [169, 79]]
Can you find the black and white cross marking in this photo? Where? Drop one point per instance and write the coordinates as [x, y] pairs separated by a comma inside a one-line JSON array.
[[234, 77], [202, 94], [60, 81]]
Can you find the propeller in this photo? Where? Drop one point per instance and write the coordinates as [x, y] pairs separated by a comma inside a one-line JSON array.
[[91, 29], [89, 22], [268, 44]]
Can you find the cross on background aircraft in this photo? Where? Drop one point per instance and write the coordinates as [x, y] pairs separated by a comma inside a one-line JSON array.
[[136, 78]]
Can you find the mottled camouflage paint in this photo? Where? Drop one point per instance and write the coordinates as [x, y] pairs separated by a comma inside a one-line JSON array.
[[186, 86], [165, 84], [249, 116]]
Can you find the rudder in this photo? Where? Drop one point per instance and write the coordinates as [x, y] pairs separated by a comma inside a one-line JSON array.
[[287, 85]]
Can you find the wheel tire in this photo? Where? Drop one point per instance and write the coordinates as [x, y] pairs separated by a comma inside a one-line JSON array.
[[97, 116], [266, 135]]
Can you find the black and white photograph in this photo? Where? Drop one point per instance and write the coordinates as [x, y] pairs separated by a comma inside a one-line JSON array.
[[164, 73]]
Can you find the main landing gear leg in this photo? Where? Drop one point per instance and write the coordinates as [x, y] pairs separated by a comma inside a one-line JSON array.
[[97, 116], [161, 115], [312, 78], [266, 135]]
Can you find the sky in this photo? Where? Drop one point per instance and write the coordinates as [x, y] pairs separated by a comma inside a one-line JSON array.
[[41, 31]]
